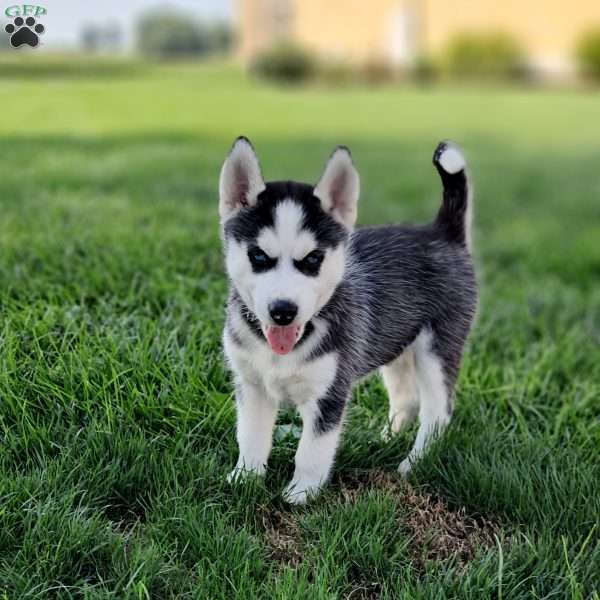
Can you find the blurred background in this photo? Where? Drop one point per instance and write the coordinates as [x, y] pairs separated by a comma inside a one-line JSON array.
[[340, 41]]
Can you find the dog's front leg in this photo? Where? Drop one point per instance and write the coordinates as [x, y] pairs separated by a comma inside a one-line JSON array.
[[322, 425], [256, 414]]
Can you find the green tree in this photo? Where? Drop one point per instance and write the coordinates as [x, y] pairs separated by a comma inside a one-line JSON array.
[[588, 53], [167, 34]]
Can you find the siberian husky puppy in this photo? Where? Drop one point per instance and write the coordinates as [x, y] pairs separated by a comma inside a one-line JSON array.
[[315, 305]]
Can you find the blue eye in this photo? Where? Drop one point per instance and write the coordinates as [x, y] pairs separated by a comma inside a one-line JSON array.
[[314, 258], [259, 260], [311, 263], [258, 256]]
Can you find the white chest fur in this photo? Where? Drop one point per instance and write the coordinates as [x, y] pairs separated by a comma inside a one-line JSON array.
[[290, 378]]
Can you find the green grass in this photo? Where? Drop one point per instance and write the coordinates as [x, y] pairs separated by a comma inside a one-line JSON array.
[[116, 419]]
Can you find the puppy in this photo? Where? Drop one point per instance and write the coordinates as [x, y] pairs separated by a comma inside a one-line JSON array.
[[315, 305]]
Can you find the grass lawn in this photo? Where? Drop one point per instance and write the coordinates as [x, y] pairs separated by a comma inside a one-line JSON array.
[[116, 416]]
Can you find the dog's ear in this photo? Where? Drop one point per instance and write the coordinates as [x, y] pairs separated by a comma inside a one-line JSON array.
[[241, 180], [339, 187]]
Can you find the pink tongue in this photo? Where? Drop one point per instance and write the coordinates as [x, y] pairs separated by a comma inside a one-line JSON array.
[[282, 339]]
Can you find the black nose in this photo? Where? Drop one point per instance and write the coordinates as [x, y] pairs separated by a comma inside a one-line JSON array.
[[283, 312]]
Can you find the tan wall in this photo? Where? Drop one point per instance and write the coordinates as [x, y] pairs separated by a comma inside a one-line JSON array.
[[548, 29], [354, 30], [349, 29], [260, 23], [358, 30], [250, 27]]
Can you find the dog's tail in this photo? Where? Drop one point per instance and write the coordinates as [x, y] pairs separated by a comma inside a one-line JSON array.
[[455, 213]]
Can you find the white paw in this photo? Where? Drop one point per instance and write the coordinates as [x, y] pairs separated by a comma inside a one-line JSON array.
[[393, 427], [405, 467], [241, 473], [386, 433], [297, 492]]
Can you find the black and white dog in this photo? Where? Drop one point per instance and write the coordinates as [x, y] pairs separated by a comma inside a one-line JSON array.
[[314, 306]]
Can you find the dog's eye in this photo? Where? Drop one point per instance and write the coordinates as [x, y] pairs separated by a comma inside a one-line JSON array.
[[311, 263], [314, 259], [259, 260]]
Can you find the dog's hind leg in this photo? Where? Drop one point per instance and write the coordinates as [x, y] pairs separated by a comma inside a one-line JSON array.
[[434, 397], [400, 378]]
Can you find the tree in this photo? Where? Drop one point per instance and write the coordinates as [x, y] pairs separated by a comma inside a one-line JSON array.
[[167, 34]]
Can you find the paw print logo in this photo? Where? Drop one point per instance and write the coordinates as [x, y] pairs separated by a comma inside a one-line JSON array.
[[24, 31]]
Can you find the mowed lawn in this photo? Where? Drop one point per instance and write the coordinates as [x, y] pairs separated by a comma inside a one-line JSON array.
[[116, 411]]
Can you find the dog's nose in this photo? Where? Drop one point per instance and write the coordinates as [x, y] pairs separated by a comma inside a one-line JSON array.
[[283, 312]]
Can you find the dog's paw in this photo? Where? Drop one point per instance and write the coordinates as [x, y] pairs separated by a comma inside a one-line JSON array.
[[449, 158], [387, 433], [405, 467], [396, 425], [297, 492], [391, 430], [241, 473]]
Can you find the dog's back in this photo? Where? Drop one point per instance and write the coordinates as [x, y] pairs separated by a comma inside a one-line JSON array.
[[401, 279], [406, 279]]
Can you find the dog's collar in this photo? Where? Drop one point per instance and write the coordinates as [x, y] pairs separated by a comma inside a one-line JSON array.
[[252, 321]]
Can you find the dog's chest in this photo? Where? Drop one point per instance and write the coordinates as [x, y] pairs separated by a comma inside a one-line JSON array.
[[287, 378]]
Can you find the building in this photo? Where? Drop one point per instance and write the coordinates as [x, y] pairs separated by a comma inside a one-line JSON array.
[[396, 31]]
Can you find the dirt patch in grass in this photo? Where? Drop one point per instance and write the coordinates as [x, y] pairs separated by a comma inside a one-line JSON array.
[[440, 533], [283, 536], [437, 532]]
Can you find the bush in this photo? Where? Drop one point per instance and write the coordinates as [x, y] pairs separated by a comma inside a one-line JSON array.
[[285, 63], [336, 72], [588, 54], [171, 35], [424, 69], [376, 71], [484, 56]]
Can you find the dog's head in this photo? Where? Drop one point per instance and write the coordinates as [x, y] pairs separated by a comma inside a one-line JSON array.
[[285, 242]]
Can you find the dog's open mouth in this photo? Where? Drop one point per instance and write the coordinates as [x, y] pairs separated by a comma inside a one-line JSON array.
[[282, 339]]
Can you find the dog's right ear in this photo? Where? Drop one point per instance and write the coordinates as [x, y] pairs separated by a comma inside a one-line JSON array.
[[241, 180]]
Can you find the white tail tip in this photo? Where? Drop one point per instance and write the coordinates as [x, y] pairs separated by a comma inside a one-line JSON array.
[[452, 160]]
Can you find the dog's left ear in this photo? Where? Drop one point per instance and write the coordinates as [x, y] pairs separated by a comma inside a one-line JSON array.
[[241, 180], [339, 187]]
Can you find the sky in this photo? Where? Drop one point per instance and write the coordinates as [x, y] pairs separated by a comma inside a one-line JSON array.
[[65, 18]]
